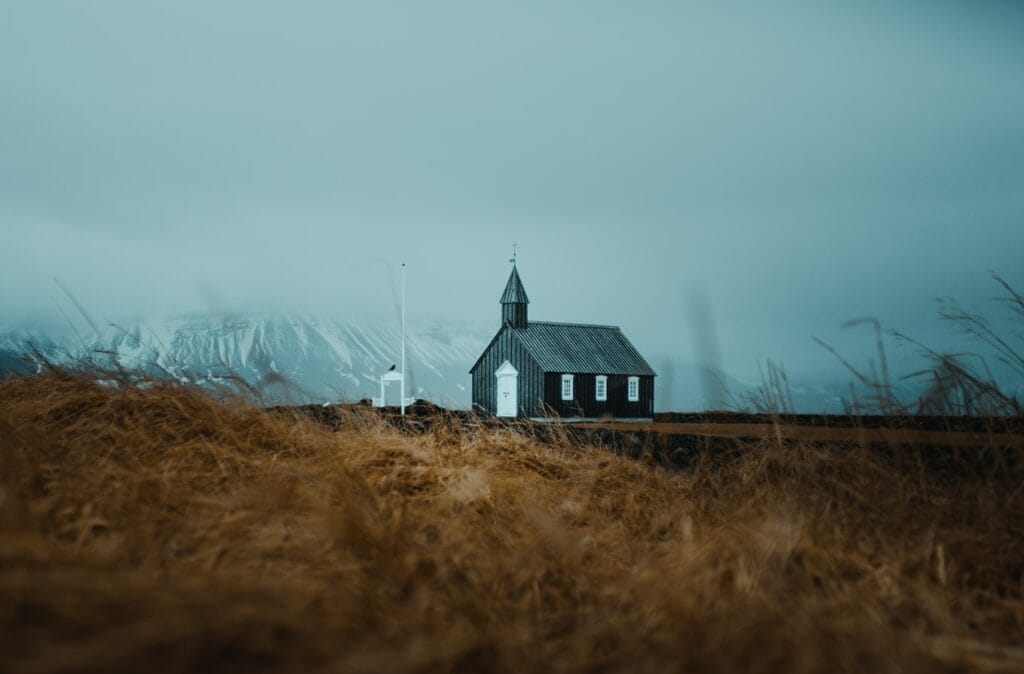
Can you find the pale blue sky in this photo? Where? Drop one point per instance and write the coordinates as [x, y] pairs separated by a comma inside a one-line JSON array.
[[803, 162]]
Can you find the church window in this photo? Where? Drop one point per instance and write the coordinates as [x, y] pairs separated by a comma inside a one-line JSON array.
[[633, 389], [566, 387]]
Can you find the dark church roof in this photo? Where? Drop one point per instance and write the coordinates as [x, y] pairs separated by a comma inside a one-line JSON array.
[[586, 349], [579, 348], [514, 290]]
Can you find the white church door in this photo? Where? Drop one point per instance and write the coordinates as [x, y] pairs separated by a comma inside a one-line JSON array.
[[507, 390]]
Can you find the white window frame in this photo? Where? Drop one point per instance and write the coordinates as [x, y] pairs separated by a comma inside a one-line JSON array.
[[567, 392], [601, 387], [633, 389]]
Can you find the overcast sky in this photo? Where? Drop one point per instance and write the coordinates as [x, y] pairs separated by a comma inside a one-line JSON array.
[[797, 163]]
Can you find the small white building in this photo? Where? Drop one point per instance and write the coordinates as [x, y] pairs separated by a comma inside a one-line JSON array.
[[391, 391]]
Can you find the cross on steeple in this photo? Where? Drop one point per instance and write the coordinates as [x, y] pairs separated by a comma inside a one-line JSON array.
[[513, 258]]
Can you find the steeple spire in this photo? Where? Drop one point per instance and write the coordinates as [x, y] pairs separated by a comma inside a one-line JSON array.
[[514, 300]]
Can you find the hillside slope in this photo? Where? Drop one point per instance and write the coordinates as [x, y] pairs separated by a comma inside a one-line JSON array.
[[289, 359]]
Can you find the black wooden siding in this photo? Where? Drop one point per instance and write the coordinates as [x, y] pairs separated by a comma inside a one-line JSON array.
[[530, 380], [584, 405], [514, 314]]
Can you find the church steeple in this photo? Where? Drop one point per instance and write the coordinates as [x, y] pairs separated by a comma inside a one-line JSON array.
[[514, 301]]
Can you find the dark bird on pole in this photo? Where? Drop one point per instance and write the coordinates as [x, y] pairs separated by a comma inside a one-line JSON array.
[[391, 369]]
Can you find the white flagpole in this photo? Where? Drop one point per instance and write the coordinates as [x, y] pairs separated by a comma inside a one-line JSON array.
[[402, 401]]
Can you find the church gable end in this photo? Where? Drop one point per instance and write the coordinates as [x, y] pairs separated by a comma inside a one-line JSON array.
[[505, 346]]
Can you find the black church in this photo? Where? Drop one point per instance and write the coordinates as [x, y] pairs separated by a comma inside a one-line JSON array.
[[568, 371]]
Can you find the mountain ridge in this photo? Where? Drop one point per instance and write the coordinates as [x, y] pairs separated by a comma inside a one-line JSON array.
[[313, 359], [308, 359]]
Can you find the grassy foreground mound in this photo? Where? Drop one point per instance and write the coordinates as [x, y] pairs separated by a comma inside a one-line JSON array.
[[158, 529]]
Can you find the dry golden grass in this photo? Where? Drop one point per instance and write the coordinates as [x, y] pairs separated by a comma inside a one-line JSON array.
[[831, 434], [157, 529]]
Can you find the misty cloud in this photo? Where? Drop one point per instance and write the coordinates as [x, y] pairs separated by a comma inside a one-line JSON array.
[[805, 164]]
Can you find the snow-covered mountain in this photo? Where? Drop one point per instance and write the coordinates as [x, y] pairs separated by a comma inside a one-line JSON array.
[[303, 359], [297, 359]]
